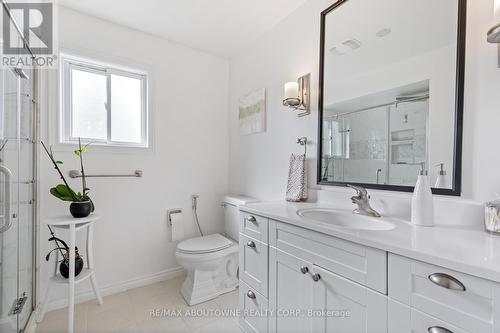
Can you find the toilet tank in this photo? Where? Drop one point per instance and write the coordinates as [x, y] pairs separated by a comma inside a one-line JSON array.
[[231, 204]]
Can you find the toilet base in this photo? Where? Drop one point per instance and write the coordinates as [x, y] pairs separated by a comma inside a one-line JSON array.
[[203, 285], [203, 294]]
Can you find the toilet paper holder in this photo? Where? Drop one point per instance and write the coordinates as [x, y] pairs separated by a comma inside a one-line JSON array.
[[170, 212]]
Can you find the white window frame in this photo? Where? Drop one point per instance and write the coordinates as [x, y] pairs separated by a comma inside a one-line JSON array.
[[68, 63]]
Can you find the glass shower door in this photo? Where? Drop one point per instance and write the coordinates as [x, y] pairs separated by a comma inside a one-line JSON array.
[[8, 209], [17, 182]]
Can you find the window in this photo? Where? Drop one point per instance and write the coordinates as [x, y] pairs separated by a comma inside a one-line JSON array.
[[103, 104]]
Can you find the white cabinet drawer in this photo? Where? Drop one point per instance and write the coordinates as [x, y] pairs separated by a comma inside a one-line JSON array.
[[364, 265], [253, 306], [254, 263], [423, 323], [472, 308], [403, 319], [254, 226]]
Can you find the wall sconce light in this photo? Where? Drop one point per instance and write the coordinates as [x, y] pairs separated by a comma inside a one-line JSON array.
[[494, 33], [297, 95]]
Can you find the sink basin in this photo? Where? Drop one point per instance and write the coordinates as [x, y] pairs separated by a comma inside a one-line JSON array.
[[345, 219]]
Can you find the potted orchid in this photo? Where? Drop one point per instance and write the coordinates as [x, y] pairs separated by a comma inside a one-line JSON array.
[[81, 203]]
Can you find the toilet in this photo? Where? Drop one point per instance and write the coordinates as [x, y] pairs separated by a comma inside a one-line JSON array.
[[211, 261]]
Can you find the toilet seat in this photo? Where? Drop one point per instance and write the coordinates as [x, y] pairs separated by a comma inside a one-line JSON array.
[[204, 244]]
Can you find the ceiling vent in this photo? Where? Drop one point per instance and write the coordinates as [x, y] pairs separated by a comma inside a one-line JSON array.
[[383, 32], [346, 47]]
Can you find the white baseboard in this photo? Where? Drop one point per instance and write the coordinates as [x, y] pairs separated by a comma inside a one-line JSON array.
[[117, 288]]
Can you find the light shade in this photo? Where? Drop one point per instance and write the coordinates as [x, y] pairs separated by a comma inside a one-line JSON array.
[[291, 90], [296, 96]]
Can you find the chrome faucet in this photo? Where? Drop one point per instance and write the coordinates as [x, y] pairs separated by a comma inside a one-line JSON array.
[[362, 199]]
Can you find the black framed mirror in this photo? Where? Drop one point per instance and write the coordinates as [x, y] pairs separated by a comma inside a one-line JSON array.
[[391, 94]]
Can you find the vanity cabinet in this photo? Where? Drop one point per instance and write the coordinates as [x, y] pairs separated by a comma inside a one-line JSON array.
[[293, 279], [323, 284], [313, 282]]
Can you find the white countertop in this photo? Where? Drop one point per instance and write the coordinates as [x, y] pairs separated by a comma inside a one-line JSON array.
[[462, 249]]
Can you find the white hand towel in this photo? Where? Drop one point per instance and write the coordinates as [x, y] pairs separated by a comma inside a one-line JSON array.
[[297, 182]]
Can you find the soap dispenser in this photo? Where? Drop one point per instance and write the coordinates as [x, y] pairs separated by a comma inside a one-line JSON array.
[[422, 205], [441, 178]]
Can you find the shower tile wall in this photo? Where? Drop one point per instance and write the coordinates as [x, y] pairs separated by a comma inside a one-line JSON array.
[[408, 152]]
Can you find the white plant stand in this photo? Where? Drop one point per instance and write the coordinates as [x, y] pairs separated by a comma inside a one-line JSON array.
[[73, 225]]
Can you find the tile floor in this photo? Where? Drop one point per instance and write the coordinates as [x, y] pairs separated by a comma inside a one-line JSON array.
[[130, 312]]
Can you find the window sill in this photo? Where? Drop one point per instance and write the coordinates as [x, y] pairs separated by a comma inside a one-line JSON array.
[[103, 148]]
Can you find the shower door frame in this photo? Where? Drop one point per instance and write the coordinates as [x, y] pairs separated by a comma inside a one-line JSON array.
[[35, 207]]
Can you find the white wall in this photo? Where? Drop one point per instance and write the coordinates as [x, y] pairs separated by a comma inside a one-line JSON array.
[[482, 102], [189, 93], [258, 163]]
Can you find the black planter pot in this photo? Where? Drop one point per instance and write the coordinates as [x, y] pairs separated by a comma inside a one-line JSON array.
[[64, 266], [80, 209]]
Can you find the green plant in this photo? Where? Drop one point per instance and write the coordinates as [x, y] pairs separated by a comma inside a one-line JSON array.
[[63, 191]]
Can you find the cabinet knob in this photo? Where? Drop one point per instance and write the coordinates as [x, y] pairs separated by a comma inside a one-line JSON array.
[[251, 294], [304, 269], [438, 329], [251, 244], [446, 281], [251, 219], [316, 277]]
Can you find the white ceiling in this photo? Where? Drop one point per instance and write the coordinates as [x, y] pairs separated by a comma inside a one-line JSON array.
[[221, 27]]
